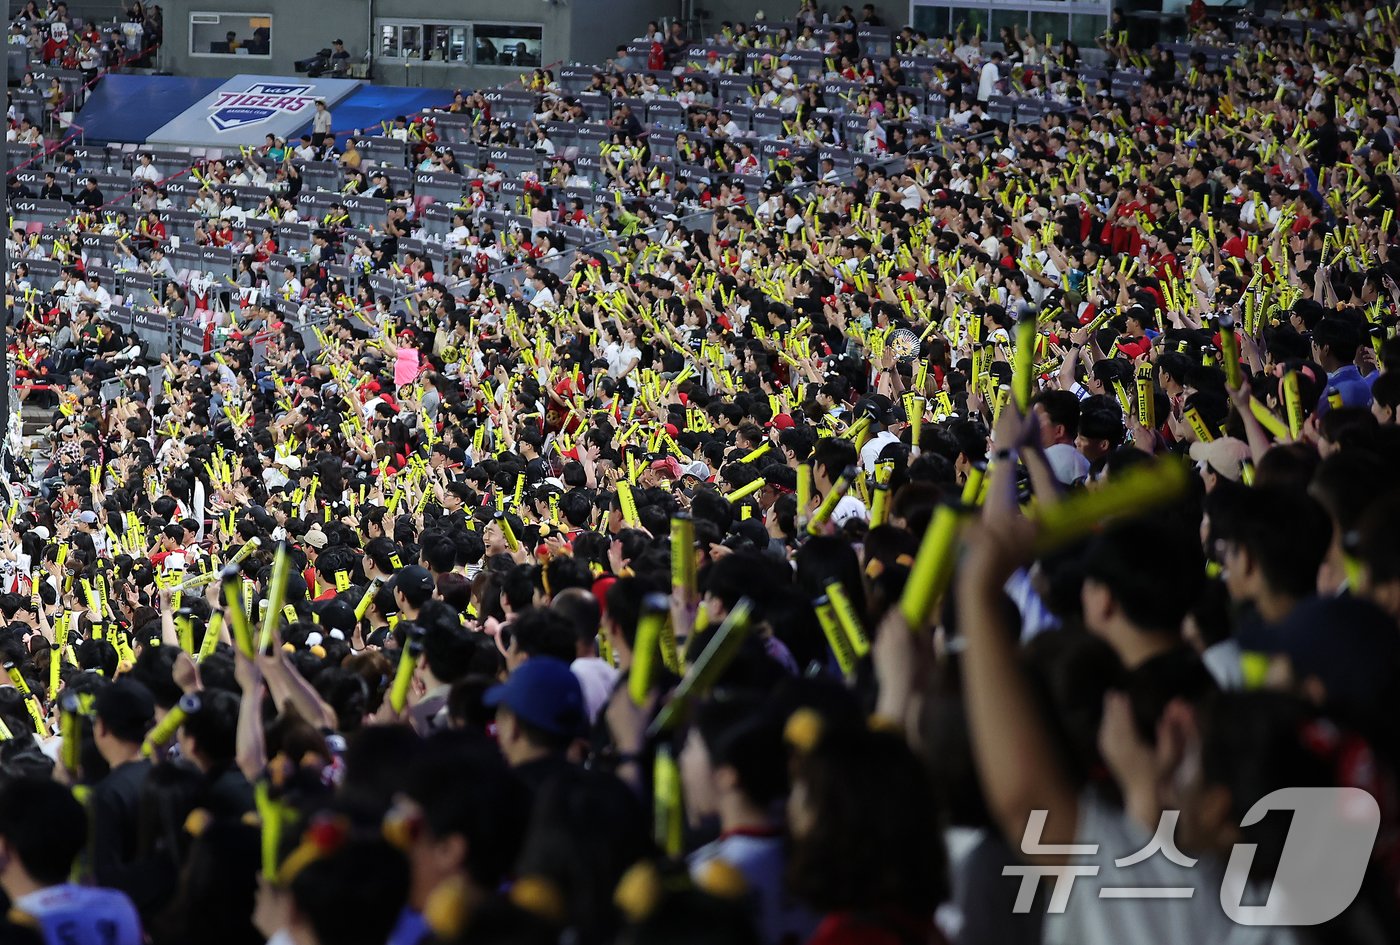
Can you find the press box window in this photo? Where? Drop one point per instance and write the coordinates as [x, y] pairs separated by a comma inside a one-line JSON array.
[[427, 42], [507, 45], [230, 34]]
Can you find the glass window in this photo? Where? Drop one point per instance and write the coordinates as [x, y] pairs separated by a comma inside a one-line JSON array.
[[410, 42], [445, 42], [230, 34], [931, 21], [966, 22], [456, 44], [508, 45], [1083, 27], [1055, 25], [388, 42], [432, 42]]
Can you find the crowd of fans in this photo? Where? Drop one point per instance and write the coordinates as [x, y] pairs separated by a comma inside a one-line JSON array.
[[1016, 497], [57, 39], [54, 60]]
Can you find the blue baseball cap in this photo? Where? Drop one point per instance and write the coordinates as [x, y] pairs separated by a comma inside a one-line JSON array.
[[544, 693]]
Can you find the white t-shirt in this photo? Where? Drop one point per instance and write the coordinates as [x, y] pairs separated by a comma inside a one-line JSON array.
[[597, 679], [1067, 463], [870, 452], [82, 915], [620, 358], [987, 82]]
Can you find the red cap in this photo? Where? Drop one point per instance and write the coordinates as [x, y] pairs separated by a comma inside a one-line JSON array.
[[600, 590], [782, 422]]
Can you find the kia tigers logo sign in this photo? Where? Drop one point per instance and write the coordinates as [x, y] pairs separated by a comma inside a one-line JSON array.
[[258, 103]]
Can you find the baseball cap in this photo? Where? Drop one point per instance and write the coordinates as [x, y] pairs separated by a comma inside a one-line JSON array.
[[87, 517], [315, 537], [877, 407], [125, 706], [544, 693], [782, 421], [1226, 456], [414, 576], [697, 469], [337, 615]]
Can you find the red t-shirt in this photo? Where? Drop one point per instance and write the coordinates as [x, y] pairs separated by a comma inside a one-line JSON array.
[[876, 928]]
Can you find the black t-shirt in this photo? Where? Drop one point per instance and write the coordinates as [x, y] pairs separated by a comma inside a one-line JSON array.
[[227, 793], [116, 809], [536, 774], [1177, 673]]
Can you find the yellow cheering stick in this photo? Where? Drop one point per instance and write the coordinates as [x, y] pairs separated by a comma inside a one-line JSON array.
[[852, 627], [70, 713], [210, 642], [683, 557], [60, 637], [835, 638], [366, 598], [707, 668], [628, 502], [743, 492], [933, 565], [276, 593], [880, 510], [1198, 425], [857, 429], [1293, 404], [403, 674], [669, 810], [828, 505], [655, 612], [31, 701], [272, 819], [184, 626], [1230, 351], [237, 610], [1132, 492], [1023, 378], [159, 736], [512, 541], [1267, 419]]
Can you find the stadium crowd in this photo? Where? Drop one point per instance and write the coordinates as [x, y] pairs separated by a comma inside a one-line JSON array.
[[948, 526]]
